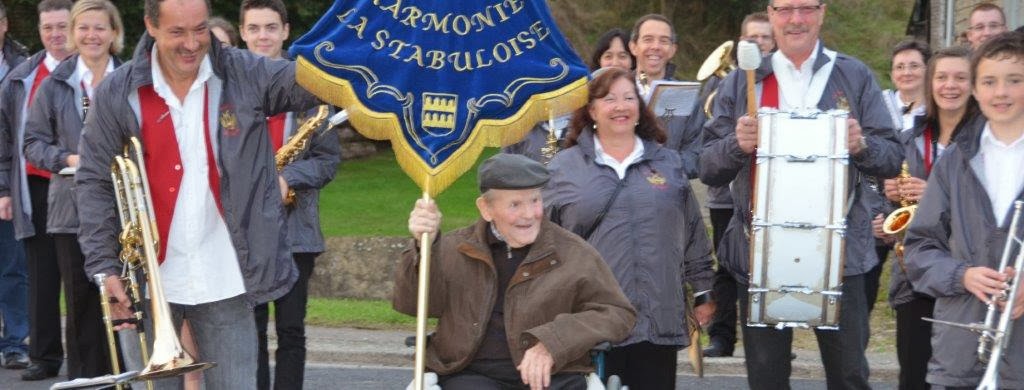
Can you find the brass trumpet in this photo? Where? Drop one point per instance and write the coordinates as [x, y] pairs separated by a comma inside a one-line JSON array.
[[898, 221]]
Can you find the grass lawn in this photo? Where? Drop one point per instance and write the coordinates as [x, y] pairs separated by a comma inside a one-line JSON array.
[[373, 197], [356, 313]]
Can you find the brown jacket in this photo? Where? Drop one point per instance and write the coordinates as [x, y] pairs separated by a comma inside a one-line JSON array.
[[562, 295]]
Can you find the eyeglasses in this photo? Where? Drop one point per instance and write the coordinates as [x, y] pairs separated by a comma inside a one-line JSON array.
[[913, 67], [990, 26], [803, 10]]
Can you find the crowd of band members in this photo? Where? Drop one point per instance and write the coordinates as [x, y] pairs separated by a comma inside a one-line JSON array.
[[610, 175]]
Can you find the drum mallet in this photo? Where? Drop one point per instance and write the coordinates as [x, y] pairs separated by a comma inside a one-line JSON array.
[[748, 55]]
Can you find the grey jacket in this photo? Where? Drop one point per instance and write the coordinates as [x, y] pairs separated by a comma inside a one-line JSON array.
[[723, 162], [534, 142], [52, 131], [13, 112], [307, 175], [652, 237], [244, 86], [719, 197], [900, 289], [955, 229], [14, 54]]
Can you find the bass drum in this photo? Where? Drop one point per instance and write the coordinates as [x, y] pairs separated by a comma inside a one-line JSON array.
[[799, 219]]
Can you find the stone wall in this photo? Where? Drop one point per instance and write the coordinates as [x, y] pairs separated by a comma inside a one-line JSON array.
[[357, 267]]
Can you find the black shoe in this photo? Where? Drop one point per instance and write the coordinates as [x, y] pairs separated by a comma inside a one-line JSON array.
[[717, 349], [36, 372]]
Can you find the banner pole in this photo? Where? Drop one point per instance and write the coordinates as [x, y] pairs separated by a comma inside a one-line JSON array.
[[422, 300]]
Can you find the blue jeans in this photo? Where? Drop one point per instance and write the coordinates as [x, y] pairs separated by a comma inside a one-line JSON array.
[[224, 332], [13, 291]]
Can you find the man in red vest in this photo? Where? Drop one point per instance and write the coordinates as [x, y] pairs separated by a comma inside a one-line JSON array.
[[264, 28], [803, 74], [200, 113], [24, 189]]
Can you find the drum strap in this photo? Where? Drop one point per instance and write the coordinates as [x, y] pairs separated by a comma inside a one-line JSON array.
[[769, 98]]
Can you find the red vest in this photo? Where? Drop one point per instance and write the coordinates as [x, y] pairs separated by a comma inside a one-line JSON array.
[[163, 160], [275, 125], [41, 74]]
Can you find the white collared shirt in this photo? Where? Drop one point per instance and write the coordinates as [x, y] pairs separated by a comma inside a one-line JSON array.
[[85, 75], [801, 88], [1002, 167], [601, 157], [201, 264], [50, 62]]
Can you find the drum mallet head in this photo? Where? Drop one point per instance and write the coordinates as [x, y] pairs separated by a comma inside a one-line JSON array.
[[748, 57]]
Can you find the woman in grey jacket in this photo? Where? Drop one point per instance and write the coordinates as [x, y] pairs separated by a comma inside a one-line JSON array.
[[629, 197], [956, 239], [52, 131], [950, 116]]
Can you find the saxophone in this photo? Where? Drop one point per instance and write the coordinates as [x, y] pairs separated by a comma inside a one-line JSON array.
[[898, 221], [297, 144]]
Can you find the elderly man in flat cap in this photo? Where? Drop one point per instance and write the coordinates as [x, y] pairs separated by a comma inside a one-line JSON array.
[[520, 300]]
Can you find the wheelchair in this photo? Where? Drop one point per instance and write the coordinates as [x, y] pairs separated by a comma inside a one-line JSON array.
[[595, 380]]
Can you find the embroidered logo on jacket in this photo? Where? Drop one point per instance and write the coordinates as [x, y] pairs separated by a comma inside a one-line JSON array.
[[228, 121]]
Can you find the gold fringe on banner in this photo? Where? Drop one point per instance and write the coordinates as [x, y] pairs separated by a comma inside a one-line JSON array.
[[486, 133]]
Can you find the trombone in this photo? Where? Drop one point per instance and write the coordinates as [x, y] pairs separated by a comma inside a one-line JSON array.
[[995, 332], [139, 248]]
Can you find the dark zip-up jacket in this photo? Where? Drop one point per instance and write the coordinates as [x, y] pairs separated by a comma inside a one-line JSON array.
[[652, 237], [313, 170], [13, 112], [900, 289], [954, 229], [245, 89], [52, 131], [723, 162]]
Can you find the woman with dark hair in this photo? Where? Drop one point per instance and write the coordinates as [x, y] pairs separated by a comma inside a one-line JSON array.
[[619, 189], [950, 112], [907, 98], [612, 50]]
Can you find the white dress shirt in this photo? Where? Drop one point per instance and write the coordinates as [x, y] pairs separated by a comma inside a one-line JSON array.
[[85, 75], [603, 158], [201, 265], [50, 62], [801, 88], [1002, 164]]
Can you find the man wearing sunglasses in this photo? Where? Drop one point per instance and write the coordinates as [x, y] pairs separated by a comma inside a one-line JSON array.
[[803, 74]]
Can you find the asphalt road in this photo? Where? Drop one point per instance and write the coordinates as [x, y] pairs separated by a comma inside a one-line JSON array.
[[348, 377]]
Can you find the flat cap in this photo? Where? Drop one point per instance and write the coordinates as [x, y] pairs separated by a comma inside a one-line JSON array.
[[506, 171]]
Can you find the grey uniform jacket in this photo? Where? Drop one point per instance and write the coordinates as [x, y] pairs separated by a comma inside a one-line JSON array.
[[307, 175], [13, 112], [652, 237], [52, 131], [900, 289], [719, 197], [14, 54], [723, 162], [684, 136], [954, 229], [533, 144], [244, 86]]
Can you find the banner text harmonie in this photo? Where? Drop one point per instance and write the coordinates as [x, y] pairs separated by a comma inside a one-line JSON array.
[[459, 24]]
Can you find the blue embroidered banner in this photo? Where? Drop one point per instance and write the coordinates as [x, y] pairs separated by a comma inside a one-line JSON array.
[[441, 79]]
